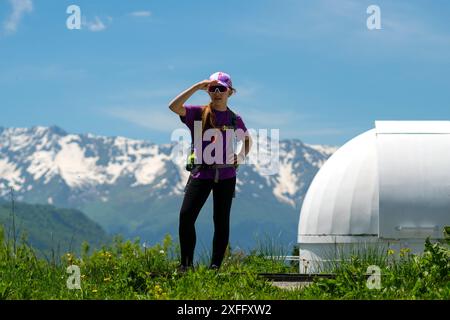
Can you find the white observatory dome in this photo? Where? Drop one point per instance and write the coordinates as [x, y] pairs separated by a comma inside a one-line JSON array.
[[389, 185]]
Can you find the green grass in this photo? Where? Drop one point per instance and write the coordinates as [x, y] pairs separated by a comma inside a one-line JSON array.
[[127, 270], [409, 276]]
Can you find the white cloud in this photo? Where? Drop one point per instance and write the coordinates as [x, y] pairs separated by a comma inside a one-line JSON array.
[[314, 132], [19, 9], [270, 119], [96, 25], [37, 72], [341, 24], [157, 120], [141, 14], [142, 95]]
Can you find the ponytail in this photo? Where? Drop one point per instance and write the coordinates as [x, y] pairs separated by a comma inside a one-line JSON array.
[[208, 118]]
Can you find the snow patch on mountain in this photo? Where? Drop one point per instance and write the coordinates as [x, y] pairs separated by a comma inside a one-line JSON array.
[[10, 174], [287, 181], [149, 168], [74, 167], [324, 149], [39, 165]]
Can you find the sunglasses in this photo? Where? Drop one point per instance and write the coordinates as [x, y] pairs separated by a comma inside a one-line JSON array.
[[215, 88]]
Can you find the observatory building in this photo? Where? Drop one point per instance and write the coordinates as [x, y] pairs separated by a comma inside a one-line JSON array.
[[388, 187]]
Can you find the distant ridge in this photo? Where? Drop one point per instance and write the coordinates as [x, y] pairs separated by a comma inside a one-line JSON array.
[[48, 228]]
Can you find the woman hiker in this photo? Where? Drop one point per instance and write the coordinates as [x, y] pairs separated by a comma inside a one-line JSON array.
[[207, 175]]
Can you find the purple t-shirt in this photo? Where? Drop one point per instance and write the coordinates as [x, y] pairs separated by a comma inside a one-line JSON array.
[[194, 113]]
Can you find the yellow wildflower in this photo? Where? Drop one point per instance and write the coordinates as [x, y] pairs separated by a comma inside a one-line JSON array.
[[404, 251], [70, 258], [159, 293]]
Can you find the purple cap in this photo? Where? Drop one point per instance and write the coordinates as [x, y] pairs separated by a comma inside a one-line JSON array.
[[223, 78]]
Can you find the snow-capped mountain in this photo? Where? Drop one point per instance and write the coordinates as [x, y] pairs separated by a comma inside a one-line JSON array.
[[136, 187]]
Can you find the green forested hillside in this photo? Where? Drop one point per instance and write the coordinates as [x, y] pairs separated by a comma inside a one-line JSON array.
[[49, 229]]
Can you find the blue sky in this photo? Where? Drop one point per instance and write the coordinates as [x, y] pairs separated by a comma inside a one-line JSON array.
[[309, 68]]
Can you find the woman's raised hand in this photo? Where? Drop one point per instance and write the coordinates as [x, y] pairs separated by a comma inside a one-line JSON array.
[[203, 85]]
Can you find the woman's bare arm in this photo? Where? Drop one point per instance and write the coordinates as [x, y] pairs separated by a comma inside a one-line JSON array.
[[240, 157], [176, 105]]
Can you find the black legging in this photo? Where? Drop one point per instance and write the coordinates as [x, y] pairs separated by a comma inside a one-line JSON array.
[[196, 194]]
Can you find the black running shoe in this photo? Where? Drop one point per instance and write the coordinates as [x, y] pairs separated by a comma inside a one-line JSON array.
[[184, 269]]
